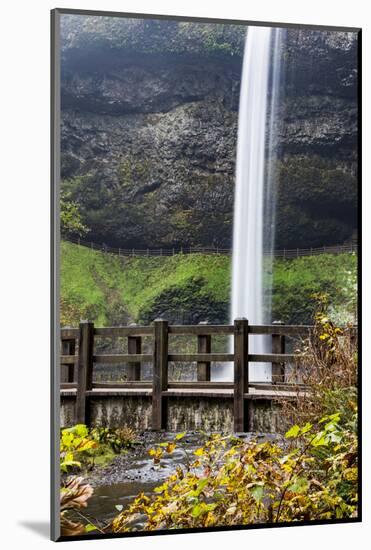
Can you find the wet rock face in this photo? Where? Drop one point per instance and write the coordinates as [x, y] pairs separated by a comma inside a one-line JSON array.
[[322, 62], [149, 129], [321, 124], [148, 84]]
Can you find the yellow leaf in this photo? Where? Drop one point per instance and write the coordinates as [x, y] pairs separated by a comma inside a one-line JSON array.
[[199, 452], [170, 447]]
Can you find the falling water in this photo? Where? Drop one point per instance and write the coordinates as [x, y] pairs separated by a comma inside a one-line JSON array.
[[253, 230]]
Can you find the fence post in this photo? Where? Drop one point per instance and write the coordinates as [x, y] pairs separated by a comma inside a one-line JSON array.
[[134, 347], [203, 346], [241, 373], [84, 371], [160, 374], [278, 346], [67, 371]]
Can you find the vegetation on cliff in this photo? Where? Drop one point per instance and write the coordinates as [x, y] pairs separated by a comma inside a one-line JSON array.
[[113, 290], [150, 36]]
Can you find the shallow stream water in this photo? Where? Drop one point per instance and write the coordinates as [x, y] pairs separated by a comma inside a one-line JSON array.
[[134, 472]]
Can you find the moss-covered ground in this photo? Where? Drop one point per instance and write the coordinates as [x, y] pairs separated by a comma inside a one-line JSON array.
[[188, 288]]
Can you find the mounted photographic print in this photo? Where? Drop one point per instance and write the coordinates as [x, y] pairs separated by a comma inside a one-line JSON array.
[[205, 255]]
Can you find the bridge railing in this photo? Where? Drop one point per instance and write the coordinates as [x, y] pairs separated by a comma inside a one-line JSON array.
[[78, 356]]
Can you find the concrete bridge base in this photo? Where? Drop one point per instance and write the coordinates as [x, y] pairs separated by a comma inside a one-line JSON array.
[[183, 411]]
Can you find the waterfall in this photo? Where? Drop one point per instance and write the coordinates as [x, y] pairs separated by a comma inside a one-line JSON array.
[[254, 207]]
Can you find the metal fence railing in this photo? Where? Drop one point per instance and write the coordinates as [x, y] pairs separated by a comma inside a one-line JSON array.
[[286, 253]]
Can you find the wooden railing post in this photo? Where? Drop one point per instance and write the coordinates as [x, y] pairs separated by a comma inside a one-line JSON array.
[[278, 346], [84, 371], [241, 373], [203, 346], [160, 374], [134, 346], [68, 371]]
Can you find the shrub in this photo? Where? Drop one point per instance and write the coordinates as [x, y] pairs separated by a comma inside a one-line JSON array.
[[230, 482], [80, 446], [117, 438], [328, 372]]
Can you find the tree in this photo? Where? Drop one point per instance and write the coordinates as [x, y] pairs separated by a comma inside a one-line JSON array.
[[71, 220]]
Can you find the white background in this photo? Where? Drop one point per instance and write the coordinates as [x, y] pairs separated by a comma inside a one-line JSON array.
[[24, 218]]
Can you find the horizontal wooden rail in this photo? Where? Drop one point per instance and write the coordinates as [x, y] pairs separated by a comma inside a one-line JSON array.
[[114, 332], [126, 384], [195, 357], [273, 357], [184, 385], [69, 333], [288, 330], [118, 358], [68, 359], [105, 358], [200, 329], [195, 330]]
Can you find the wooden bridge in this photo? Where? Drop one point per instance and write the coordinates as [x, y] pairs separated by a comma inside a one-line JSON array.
[[78, 358]]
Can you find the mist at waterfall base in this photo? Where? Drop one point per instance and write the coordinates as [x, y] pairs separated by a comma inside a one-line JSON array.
[[254, 203]]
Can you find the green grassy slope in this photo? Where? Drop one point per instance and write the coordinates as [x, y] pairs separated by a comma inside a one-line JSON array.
[[296, 281], [109, 289], [189, 288]]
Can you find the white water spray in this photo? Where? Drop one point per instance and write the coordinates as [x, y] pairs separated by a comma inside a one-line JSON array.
[[253, 229]]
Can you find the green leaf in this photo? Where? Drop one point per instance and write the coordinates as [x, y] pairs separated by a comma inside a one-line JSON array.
[[202, 508], [90, 527], [299, 486], [81, 430], [293, 431], [196, 510], [320, 440], [200, 486], [308, 426], [257, 492], [180, 436], [334, 417]]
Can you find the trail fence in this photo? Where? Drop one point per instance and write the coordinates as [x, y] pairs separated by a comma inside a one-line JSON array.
[[285, 253]]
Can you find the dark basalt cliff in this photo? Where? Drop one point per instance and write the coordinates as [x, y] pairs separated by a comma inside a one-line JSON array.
[[149, 130]]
